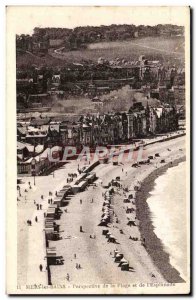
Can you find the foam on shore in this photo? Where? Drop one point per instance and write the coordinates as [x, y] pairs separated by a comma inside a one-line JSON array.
[[153, 244]]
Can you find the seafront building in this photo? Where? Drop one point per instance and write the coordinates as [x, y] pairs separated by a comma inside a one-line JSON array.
[[38, 137]]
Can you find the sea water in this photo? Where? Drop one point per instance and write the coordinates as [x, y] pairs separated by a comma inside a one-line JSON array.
[[168, 207]]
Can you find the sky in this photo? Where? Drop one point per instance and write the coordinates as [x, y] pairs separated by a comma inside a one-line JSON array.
[[24, 18]]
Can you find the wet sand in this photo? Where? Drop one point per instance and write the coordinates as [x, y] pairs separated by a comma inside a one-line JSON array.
[[153, 244]]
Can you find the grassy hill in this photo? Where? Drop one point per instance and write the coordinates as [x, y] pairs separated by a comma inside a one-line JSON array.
[[165, 49]]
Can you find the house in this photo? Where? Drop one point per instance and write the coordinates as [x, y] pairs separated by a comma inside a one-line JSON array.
[[137, 121], [22, 131], [36, 136], [23, 151], [54, 136]]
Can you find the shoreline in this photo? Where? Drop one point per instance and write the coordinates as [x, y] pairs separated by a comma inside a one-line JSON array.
[[153, 244]]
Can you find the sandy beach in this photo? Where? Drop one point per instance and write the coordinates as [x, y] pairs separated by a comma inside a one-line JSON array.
[[96, 256]]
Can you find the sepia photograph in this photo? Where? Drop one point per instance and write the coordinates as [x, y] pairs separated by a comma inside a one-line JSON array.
[[98, 143]]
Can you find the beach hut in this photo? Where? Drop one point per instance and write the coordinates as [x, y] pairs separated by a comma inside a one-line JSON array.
[[91, 177], [82, 185], [49, 230], [108, 234], [52, 257], [50, 212], [75, 188]]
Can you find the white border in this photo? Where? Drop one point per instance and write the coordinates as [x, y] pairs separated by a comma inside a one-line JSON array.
[[2, 91]]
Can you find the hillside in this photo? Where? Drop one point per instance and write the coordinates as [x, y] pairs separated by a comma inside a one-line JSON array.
[[156, 48]]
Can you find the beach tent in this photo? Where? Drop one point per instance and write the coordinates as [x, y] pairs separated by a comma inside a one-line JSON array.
[[111, 239], [129, 209], [131, 223], [116, 252], [105, 231], [118, 257], [103, 223], [125, 267], [123, 260], [103, 215], [126, 200]]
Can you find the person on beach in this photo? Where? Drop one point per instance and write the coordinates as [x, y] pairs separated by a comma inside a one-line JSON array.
[[40, 267], [76, 266], [36, 219], [40, 207], [67, 277], [37, 206], [80, 201], [34, 202], [75, 256]]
